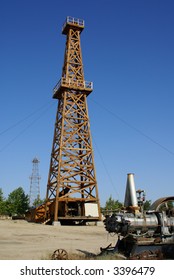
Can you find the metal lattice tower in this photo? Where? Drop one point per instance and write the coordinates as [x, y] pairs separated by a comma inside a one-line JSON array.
[[72, 186], [34, 182]]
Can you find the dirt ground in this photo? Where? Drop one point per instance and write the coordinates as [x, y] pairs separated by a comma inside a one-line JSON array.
[[20, 240]]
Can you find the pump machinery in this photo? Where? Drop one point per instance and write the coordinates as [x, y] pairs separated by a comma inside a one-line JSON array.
[[142, 234]]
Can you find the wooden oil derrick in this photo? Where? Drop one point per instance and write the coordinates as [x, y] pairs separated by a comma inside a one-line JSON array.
[[72, 192]]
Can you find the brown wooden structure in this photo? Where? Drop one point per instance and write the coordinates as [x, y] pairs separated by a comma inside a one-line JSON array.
[[72, 192]]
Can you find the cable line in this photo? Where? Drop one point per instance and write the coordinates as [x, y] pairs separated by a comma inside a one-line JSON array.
[[26, 128], [24, 119], [134, 128], [104, 165]]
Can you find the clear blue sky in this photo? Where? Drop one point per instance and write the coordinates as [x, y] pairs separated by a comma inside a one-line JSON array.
[[128, 52]]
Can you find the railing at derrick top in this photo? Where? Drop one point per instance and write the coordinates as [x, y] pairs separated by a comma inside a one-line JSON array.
[[74, 84], [74, 21]]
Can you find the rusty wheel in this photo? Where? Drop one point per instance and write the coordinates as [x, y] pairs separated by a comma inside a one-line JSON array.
[[60, 254]]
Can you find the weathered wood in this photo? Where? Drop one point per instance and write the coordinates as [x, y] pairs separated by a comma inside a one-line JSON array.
[[72, 175]]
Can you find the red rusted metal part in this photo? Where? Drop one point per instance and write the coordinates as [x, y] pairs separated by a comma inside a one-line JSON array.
[[148, 255]]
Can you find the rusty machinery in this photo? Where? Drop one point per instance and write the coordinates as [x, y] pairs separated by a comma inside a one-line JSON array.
[[142, 234]]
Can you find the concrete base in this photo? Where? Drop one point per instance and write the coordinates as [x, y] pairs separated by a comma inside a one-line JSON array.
[[56, 223], [99, 224]]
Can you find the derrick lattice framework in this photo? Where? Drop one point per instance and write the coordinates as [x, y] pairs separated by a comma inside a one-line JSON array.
[[72, 186]]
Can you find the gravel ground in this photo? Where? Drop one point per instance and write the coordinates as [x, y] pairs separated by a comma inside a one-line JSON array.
[[20, 240]]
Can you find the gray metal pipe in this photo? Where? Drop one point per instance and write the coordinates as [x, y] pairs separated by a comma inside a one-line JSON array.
[[130, 194]]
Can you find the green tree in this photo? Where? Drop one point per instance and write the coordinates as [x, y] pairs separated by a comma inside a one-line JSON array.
[[17, 202], [112, 204], [2, 203], [147, 204], [38, 201], [1, 195]]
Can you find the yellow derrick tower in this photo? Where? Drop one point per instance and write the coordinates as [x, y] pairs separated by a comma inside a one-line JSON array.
[[72, 192]]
